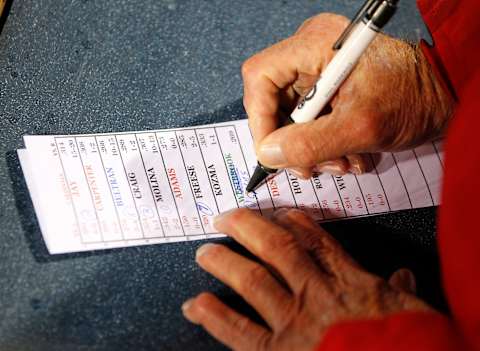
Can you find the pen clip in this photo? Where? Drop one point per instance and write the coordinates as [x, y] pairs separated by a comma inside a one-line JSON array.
[[358, 16]]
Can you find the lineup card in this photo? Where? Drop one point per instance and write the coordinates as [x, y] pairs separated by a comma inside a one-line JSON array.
[[113, 190]]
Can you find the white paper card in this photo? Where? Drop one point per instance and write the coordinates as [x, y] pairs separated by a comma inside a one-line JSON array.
[[113, 190]]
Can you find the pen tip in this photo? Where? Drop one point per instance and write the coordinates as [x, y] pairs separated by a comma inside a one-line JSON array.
[[250, 187], [259, 175]]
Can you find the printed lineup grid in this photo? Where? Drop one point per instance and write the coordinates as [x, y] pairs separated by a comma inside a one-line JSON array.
[[135, 188], [201, 208]]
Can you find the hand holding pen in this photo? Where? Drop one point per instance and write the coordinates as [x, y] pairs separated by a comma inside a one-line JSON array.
[[2, 6], [367, 113]]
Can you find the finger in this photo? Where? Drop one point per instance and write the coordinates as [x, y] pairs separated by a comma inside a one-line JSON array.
[[403, 279], [313, 23], [302, 173], [224, 324], [327, 252], [288, 100], [249, 279], [306, 144], [2, 5], [338, 167], [266, 74], [271, 243], [358, 165]]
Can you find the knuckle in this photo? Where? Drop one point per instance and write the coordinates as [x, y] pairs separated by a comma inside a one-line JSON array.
[[249, 68], [324, 16], [283, 245], [379, 288], [306, 24], [324, 23], [332, 17], [264, 342], [241, 324], [308, 21], [301, 152], [378, 284], [254, 279]]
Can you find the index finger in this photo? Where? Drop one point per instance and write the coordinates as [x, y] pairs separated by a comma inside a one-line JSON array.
[[226, 325], [327, 251], [264, 76], [271, 243]]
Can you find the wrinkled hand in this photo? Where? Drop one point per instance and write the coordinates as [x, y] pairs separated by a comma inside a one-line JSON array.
[[391, 101], [314, 285]]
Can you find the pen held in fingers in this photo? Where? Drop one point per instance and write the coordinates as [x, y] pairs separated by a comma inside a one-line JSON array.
[[259, 175], [352, 44]]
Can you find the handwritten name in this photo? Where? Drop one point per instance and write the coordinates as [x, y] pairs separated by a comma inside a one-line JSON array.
[[172, 177], [212, 173], [152, 178], [274, 189], [132, 179], [340, 182], [114, 186], [192, 176], [317, 182], [295, 184], [236, 182], [92, 182]]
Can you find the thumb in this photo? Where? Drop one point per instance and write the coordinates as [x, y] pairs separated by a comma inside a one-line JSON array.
[[307, 144]]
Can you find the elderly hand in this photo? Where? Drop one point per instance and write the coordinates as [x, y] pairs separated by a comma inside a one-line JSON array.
[[314, 285], [391, 101]]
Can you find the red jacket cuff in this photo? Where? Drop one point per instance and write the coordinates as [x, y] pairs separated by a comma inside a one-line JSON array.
[[454, 27], [404, 331]]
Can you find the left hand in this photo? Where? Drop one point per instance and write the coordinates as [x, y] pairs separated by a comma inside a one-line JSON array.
[[319, 284]]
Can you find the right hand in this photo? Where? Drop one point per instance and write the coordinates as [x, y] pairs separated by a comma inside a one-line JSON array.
[[391, 101]]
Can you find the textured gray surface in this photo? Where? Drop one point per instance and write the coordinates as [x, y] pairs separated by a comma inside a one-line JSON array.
[[95, 66]]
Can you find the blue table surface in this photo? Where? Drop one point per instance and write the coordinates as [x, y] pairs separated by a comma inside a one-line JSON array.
[[82, 66]]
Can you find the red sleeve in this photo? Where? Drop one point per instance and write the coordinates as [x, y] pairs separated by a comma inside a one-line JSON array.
[[455, 57], [405, 331]]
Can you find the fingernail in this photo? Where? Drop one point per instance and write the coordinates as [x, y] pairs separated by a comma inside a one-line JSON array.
[[218, 218], [186, 310], [281, 213], [187, 304], [284, 212], [298, 173], [331, 169], [272, 155], [202, 250], [355, 168]]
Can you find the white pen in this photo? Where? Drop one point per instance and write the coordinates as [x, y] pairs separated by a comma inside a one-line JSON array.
[[353, 42]]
